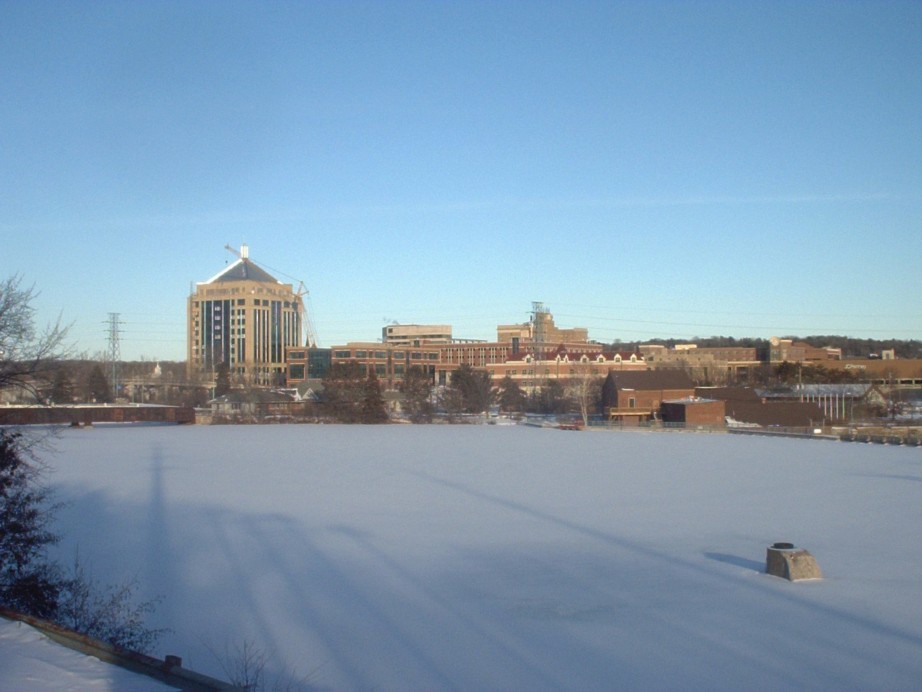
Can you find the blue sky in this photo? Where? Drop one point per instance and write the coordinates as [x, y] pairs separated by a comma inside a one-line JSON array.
[[646, 169]]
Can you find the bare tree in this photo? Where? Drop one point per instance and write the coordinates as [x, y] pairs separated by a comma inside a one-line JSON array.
[[586, 388], [109, 613], [246, 666], [26, 353]]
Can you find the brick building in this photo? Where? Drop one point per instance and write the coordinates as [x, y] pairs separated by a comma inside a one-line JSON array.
[[633, 396], [694, 411]]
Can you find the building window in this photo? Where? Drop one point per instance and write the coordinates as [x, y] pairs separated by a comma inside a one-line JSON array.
[[381, 355], [361, 354], [342, 354]]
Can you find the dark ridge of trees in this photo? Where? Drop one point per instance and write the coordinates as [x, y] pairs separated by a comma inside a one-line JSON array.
[[852, 347], [864, 348], [793, 373]]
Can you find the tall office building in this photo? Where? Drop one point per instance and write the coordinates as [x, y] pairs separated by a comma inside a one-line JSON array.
[[246, 318]]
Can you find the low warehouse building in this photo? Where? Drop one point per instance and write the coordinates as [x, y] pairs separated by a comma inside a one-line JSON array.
[[694, 411]]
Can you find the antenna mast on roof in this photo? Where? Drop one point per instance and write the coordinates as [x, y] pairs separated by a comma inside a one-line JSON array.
[[243, 253]]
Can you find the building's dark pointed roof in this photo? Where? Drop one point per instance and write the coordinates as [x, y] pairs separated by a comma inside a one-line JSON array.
[[244, 270]]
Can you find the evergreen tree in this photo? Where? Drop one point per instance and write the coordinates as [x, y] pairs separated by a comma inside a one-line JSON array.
[[374, 409], [417, 392], [62, 387], [512, 398], [475, 388], [98, 386], [222, 379], [344, 391], [28, 582]]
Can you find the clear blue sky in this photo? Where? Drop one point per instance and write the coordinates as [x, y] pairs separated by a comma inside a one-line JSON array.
[[647, 169]]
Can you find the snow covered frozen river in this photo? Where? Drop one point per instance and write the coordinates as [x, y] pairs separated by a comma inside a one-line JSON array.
[[480, 557]]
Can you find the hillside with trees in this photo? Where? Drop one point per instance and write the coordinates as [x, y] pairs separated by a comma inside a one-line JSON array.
[[851, 347]]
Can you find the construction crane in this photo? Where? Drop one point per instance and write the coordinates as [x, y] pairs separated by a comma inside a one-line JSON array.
[[310, 334], [240, 254]]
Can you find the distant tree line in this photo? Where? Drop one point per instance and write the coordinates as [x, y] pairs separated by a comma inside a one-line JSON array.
[[353, 395], [851, 347]]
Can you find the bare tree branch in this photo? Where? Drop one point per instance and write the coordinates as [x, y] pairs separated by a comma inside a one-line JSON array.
[[26, 354]]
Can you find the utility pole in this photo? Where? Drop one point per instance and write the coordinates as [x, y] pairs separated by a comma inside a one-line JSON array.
[[114, 350]]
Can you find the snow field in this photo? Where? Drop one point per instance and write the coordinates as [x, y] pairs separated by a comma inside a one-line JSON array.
[[482, 557]]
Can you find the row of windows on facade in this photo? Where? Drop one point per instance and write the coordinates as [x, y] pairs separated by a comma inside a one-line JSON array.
[[530, 373], [297, 371], [234, 321], [421, 337], [400, 355], [264, 302], [237, 290], [376, 355]]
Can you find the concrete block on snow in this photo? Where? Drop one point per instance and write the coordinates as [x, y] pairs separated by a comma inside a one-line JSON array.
[[791, 563]]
